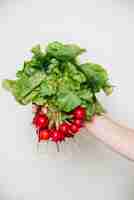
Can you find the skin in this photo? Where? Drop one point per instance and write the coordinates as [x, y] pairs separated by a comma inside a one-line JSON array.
[[115, 135]]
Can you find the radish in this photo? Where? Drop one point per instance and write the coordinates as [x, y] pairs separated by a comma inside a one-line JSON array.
[[55, 136], [44, 134], [41, 121], [78, 122], [79, 112], [74, 128], [64, 127]]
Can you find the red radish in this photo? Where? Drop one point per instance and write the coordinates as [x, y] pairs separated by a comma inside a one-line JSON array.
[[35, 108], [78, 122], [41, 121], [74, 128], [55, 135], [62, 136], [37, 131], [51, 132], [44, 110], [79, 112], [43, 134], [40, 113], [34, 120], [64, 127], [68, 135], [36, 117]]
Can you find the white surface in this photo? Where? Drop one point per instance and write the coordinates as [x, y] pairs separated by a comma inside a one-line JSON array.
[[106, 29]]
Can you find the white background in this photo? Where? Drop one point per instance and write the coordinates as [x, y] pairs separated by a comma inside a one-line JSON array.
[[106, 29]]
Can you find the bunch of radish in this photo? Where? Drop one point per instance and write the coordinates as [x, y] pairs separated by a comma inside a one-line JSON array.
[[62, 90], [54, 129]]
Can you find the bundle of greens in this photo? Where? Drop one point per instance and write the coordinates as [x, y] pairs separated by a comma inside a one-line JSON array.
[[60, 88]]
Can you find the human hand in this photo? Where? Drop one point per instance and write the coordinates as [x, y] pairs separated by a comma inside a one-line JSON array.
[[113, 134]]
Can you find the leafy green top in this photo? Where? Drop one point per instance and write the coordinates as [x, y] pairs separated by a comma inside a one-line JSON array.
[[53, 77]]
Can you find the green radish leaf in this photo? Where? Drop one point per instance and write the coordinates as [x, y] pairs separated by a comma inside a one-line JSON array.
[[68, 101], [9, 85], [85, 94], [54, 76], [64, 52], [90, 109], [108, 89], [25, 85], [39, 100], [49, 86], [72, 71], [99, 108], [65, 117], [97, 76], [29, 98]]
